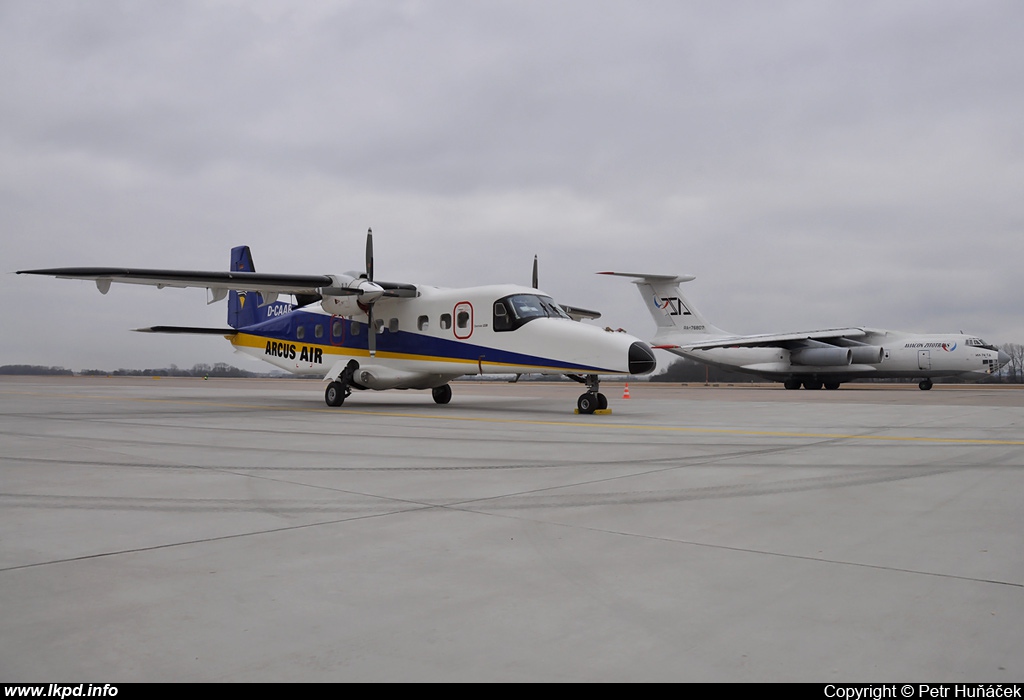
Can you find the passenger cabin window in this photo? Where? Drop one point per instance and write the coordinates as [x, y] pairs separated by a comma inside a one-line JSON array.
[[354, 329], [318, 331], [393, 325], [300, 333], [446, 321], [423, 323], [513, 311], [336, 329], [462, 319]]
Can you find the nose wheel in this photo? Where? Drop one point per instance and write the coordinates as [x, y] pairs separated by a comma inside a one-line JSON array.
[[593, 400], [590, 402]]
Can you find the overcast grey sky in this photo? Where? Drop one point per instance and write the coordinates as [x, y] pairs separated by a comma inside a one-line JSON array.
[[815, 164]]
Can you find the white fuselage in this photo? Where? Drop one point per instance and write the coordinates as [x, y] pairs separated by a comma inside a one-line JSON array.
[[904, 355], [440, 334]]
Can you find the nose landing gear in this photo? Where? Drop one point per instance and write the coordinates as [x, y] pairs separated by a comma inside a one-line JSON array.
[[593, 401]]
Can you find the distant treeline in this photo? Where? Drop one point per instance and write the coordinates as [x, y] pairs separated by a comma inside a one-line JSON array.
[[221, 369]]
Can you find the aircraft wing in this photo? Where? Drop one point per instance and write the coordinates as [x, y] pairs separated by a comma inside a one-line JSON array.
[[216, 280], [578, 314], [309, 286], [783, 340]]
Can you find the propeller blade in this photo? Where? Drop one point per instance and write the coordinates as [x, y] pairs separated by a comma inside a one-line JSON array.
[[369, 254], [371, 340], [535, 286]]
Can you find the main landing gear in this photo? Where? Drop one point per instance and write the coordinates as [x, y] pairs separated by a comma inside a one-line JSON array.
[[593, 400], [442, 394], [924, 384], [339, 390]]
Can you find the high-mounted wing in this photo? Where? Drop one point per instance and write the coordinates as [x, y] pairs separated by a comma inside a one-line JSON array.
[[221, 281], [213, 280], [835, 336], [577, 314]]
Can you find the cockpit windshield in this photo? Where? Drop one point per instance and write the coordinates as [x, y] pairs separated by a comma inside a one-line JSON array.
[[513, 311], [979, 343]]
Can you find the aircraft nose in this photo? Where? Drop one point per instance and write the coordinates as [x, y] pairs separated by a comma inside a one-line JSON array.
[[641, 358]]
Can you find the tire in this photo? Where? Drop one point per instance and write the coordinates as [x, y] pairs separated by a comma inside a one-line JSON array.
[[602, 402], [335, 394], [587, 403], [442, 394], [831, 385], [925, 384]]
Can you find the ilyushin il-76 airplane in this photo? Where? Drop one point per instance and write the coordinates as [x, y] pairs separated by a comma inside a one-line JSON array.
[[813, 359], [360, 333]]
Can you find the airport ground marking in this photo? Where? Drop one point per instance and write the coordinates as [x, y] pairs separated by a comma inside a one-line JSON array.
[[599, 422]]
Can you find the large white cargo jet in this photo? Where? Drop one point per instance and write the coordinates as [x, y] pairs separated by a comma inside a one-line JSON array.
[[812, 359]]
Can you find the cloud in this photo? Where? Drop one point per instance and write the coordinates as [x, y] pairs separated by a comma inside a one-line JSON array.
[[815, 164]]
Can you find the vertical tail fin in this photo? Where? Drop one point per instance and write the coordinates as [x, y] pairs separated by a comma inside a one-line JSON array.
[[242, 307], [249, 308], [672, 313]]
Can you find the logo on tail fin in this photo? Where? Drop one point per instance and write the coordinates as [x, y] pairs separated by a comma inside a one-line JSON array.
[[672, 306]]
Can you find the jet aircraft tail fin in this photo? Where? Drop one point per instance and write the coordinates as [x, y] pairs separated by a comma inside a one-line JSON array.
[[250, 308], [672, 313]]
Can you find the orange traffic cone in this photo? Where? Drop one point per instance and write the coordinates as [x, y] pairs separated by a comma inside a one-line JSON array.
[[625, 392]]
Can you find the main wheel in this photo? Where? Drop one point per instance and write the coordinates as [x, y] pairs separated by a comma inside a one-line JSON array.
[[925, 384], [587, 403], [335, 394], [791, 383], [602, 402], [831, 385], [442, 394], [812, 384]]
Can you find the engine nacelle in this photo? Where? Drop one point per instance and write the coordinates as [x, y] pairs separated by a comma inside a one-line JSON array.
[[868, 354], [822, 357], [349, 296]]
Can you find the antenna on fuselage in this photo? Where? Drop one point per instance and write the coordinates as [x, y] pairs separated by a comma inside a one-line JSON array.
[[535, 284]]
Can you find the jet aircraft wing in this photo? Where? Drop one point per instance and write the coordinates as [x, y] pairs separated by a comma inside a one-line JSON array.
[[784, 340]]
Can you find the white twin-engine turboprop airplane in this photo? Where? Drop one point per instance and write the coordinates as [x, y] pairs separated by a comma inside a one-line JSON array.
[[810, 359], [360, 333]]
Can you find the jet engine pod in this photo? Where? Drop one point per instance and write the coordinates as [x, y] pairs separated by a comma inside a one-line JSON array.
[[868, 355], [822, 357]]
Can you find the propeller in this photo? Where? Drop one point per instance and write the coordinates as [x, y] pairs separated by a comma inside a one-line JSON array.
[[371, 340]]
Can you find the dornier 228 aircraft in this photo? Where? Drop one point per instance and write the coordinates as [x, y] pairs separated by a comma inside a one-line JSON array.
[[811, 359], [362, 333]]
